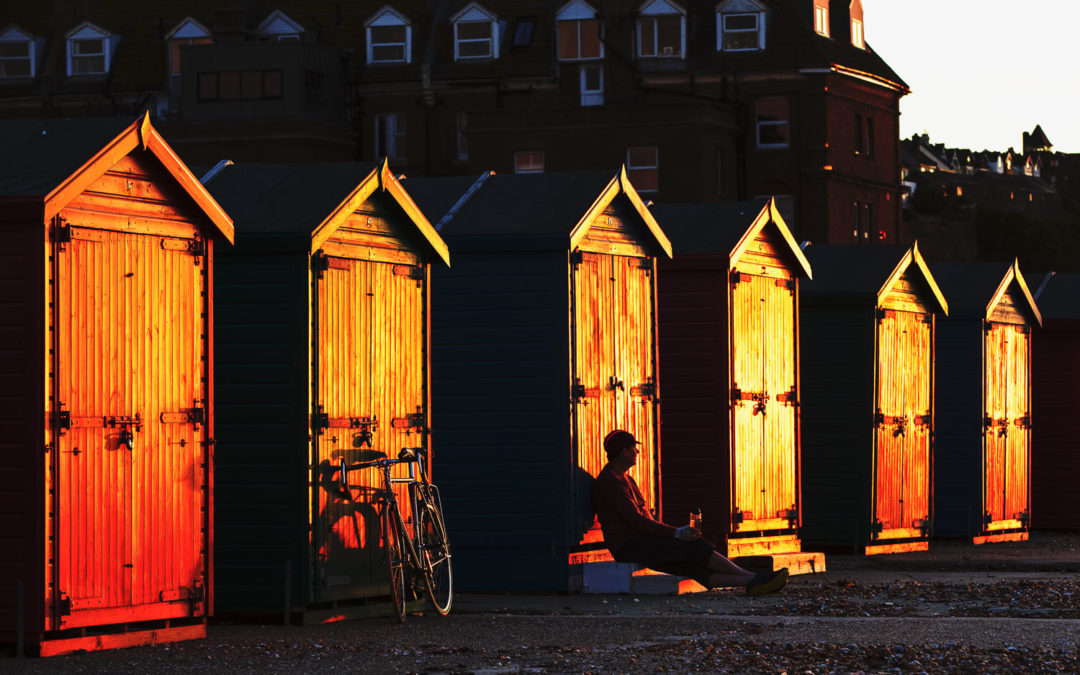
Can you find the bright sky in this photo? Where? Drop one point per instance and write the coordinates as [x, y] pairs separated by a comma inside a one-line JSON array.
[[982, 72]]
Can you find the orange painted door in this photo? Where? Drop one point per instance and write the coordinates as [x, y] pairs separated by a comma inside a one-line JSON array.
[[614, 363], [131, 467], [903, 424], [763, 397], [1007, 428], [369, 383]]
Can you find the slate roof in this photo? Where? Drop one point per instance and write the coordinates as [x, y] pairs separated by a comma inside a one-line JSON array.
[[851, 271], [285, 198], [1061, 297], [969, 286], [548, 203], [37, 155], [706, 227]]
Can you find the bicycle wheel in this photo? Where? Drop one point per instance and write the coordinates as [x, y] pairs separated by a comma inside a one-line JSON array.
[[394, 546], [435, 554]]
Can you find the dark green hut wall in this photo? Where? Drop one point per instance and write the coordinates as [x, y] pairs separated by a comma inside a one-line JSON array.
[[500, 417], [837, 363], [261, 454], [958, 427]]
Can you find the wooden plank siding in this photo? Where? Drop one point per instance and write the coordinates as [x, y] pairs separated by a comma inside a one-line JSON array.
[[23, 446], [132, 522], [728, 335], [501, 414], [261, 477], [984, 443]]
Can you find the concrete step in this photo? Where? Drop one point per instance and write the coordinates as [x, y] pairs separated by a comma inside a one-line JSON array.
[[614, 577], [801, 562]]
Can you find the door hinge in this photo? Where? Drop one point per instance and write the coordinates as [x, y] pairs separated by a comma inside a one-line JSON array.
[[1024, 422], [61, 419], [414, 421], [735, 277], [320, 262], [789, 284], [410, 271], [63, 605], [791, 397], [646, 389]]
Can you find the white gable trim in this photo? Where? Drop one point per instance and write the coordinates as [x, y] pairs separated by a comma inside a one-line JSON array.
[[575, 10], [473, 12], [15, 34], [660, 8], [188, 29], [279, 23], [86, 31], [738, 6], [387, 16]]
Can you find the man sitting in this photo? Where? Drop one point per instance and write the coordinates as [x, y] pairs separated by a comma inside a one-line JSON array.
[[633, 535]]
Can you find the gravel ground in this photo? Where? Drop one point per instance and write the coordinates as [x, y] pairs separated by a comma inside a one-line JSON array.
[[1007, 608]]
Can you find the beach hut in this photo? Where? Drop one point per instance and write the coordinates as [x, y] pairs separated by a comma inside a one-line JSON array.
[[729, 344], [1055, 370], [324, 356], [867, 336], [544, 340], [107, 243], [982, 457]]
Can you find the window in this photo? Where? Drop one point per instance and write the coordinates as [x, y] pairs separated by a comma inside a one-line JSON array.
[[821, 17], [856, 232], [390, 136], [389, 37], [523, 32], [278, 26], [529, 161], [864, 136], [89, 50], [772, 123], [740, 26], [239, 85], [462, 139], [475, 34], [592, 85], [188, 32], [857, 24], [661, 30], [579, 33], [643, 168], [17, 54]]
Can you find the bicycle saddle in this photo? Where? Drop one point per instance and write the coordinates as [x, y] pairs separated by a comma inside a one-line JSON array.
[[408, 454]]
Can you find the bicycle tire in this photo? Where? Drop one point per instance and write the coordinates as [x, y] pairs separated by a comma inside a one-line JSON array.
[[393, 542], [435, 554]]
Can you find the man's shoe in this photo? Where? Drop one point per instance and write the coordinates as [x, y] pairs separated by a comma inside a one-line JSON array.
[[767, 582]]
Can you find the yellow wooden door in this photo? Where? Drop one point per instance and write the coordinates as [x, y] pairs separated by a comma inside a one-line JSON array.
[[779, 439], [369, 397], [1017, 496], [1007, 426], [131, 466], [749, 400]]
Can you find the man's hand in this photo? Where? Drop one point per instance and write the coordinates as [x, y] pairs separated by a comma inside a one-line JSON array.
[[687, 533]]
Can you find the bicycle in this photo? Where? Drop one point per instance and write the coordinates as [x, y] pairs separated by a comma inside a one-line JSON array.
[[420, 559]]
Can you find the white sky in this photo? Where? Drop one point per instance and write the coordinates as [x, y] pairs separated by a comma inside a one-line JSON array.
[[982, 72]]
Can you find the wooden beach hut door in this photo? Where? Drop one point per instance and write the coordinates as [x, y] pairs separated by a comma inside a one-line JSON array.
[[614, 363], [130, 467], [369, 395], [764, 394], [902, 424], [1007, 426]]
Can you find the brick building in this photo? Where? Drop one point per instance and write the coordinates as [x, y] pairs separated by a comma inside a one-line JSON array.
[[702, 99]]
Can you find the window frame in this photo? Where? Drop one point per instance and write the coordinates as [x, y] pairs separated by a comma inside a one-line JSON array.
[[591, 97], [270, 27], [654, 12], [474, 13], [578, 13], [16, 36], [633, 170], [387, 17], [857, 37], [88, 32], [821, 18], [187, 32], [737, 8], [520, 154], [393, 136], [759, 124]]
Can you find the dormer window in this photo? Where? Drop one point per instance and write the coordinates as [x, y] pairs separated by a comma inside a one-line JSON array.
[[661, 30], [821, 17], [89, 50], [17, 54], [579, 32], [389, 37], [857, 25], [475, 33], [278, 26], [188, 32], [740, 26]]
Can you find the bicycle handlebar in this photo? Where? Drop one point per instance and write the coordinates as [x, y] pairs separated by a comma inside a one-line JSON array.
[[405, 456]]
